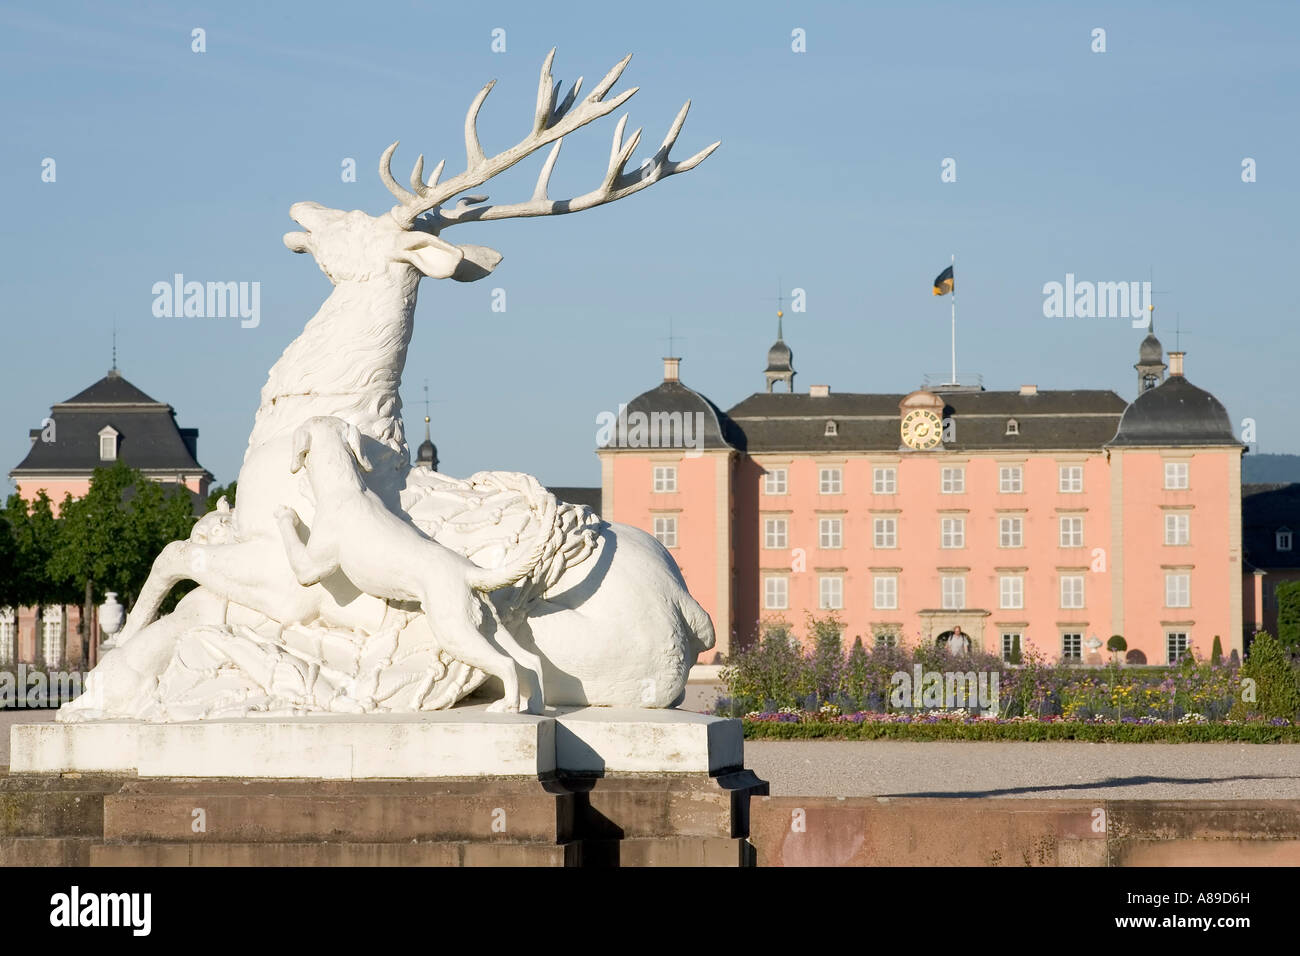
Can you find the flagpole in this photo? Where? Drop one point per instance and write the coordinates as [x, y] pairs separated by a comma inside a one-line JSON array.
[[954, 318]]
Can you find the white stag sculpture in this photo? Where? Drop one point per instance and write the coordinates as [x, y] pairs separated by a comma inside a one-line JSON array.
[[605, 609]]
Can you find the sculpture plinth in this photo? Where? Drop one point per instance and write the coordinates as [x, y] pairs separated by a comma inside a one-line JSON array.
[[466, 741]]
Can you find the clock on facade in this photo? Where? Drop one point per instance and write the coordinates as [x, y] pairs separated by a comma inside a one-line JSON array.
[[921, 429]]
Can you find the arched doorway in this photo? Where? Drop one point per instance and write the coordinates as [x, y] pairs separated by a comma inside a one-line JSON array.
[[962, 644]]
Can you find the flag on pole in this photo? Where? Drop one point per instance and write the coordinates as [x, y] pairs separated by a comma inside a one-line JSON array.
[[944, 283]]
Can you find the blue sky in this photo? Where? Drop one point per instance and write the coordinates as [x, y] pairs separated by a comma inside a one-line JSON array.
[[1108, 165]]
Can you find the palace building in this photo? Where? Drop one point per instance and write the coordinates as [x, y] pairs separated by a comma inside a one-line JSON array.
[[1025, 516], [109, 421]]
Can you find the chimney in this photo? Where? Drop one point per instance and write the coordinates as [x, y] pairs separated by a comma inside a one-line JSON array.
[[671, 366], [819, 391], [1028, 389], [1176, 363]]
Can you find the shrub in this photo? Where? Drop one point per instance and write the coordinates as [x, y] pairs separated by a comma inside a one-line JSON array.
[[1016, 657], [1276, 686], [821, 678], [1288, 615], [1116, 644], [1216, 651]]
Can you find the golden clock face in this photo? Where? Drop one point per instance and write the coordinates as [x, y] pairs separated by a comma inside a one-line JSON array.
[[921, 429]]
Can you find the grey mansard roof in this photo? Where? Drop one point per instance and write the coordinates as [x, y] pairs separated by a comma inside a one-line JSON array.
[[1175, 412], [1266, 510], [670, 398], [1065, 420], [149, 438]]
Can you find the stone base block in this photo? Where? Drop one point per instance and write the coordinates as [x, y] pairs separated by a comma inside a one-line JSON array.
[[332, 854], [461, 742], [506, 810], [466, 742], [612, 740]]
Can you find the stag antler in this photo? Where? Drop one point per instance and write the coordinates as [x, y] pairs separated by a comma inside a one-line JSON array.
[[551, 124]]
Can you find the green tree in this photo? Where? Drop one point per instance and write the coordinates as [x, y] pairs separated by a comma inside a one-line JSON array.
[[1116, 645], [30, 529], [108, 539], [1288, 615], [1016, 657], [1216, 651], [1275, 687]]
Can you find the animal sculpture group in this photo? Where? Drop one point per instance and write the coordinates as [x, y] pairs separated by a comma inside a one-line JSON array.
[[346, 581]]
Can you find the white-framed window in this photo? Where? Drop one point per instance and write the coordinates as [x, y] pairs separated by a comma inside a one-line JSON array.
[[8, 635], [774, 533], [1283, 539], [1071, 480], [830, 533], [830, 593], [1176, 476], [665, 478], [1013, 427], [666, 530], [884, 481], [885, 638], [108, 443], [1011, 591], [830, 481], [952, 481], [1071, 646], [954, 592], [1071, 590], [1176, 644], [1011, 479], [1009, 639], [832, 429], [774, 482], [1011, 531], [776, 594], [1072, 531], [952, 533], [1177, 527], [886, 592], [52, 636], [885, 532], [1178, 589]]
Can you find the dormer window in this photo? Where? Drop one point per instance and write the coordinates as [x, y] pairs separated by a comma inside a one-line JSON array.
[[108, 436], [832, 428], [1013, 427], [1284, 539]]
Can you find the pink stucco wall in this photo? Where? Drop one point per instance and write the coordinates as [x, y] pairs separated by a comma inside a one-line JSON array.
[[1122, 504]]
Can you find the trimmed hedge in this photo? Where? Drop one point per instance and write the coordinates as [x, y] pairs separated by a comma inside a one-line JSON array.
[[1028, 731]]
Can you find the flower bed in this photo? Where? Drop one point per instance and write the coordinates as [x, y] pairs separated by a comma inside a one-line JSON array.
[[960, 725], [780, 681]]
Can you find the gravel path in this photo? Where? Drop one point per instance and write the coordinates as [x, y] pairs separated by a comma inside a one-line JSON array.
[[1069, 770]]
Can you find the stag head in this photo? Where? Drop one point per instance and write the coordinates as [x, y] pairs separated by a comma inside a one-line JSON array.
[[354, 246]]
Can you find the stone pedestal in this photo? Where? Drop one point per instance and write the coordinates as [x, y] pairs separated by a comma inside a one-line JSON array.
[[461, 742], [578, 787]]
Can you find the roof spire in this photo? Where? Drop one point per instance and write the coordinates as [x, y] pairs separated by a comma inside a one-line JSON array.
[[780, 360], [113, 372], [426, 411]]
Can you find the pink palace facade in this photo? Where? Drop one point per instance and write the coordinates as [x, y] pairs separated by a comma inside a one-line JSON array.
[[1060, 517]]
